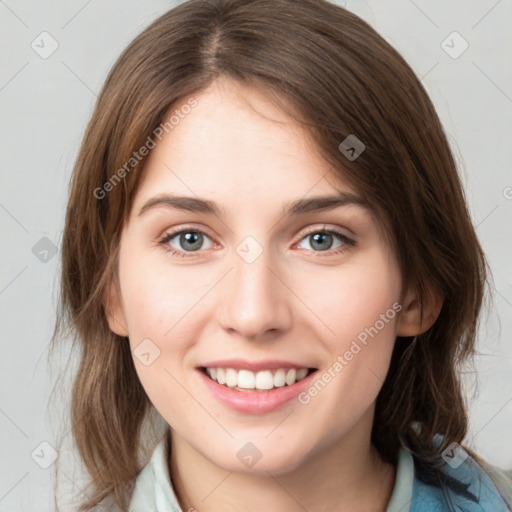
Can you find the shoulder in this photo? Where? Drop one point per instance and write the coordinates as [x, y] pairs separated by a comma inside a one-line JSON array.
[[462, 483], [501, 478]]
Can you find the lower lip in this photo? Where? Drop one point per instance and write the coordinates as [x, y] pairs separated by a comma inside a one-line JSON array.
[[256, 402]]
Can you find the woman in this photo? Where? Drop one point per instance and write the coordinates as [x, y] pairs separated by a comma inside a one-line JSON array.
[[303, 352]]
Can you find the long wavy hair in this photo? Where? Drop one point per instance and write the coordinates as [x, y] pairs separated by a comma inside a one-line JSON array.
[[332, 73]]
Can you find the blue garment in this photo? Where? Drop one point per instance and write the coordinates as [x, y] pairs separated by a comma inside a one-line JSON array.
[[153, 490], [487, 496]]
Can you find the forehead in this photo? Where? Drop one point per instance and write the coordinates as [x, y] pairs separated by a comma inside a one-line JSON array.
[[236, 146]]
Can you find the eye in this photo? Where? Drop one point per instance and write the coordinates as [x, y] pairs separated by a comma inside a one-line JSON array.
[[187, 241], [321, 240], [190, 240]]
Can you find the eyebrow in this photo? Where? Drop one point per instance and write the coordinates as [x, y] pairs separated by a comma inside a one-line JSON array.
[[296, 208]]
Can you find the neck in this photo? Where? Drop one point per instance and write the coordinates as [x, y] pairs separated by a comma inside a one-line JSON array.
[[349, 473]]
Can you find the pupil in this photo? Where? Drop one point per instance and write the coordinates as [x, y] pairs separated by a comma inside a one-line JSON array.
[[321, 236], [195, 239]]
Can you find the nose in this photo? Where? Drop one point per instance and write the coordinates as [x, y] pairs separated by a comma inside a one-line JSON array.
[[254, 300]]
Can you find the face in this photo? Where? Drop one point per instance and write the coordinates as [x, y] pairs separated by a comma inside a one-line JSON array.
[[246, 284]]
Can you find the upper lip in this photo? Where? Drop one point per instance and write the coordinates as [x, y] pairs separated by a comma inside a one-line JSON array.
[[241, 364]]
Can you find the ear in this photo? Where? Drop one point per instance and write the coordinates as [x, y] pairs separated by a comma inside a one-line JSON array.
[[415, 320], [114, 309]]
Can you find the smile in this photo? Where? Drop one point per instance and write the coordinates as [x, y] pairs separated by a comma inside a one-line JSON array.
[[264, 380], [267, 387]]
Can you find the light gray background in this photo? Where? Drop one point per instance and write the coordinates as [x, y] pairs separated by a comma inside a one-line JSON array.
[[45, 105]]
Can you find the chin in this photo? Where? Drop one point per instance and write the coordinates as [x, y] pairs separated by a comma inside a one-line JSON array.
[[253, 458]]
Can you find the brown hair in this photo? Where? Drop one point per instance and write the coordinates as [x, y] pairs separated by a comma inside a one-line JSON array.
[[339, 77]]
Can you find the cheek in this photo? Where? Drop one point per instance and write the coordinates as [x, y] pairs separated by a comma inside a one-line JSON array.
[[159, 298], [159, 307], [360, 306], [352, 298], [162, 299], [164, 305]]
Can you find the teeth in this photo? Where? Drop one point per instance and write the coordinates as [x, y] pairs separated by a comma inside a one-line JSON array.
[[246, 379], [221, 375], [290, 377], [301, 373], [231, 378], [262, 380], [280, 378]]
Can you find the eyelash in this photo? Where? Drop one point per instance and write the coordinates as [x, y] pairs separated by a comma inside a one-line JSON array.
[[347, 242]]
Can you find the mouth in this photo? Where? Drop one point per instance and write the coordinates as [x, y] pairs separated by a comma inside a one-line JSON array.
[[261, 381], [257, 392], [255, 387]]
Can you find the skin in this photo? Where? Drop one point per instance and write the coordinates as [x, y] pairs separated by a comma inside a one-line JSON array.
[[294, 302]]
